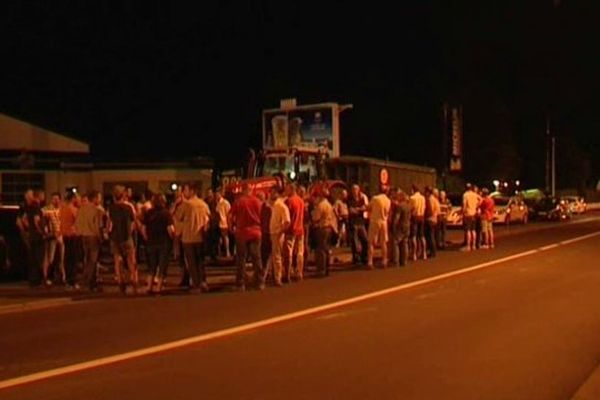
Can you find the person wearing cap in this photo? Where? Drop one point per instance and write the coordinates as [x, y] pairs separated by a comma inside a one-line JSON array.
[[487, 219], [379, 211], [470, 205]]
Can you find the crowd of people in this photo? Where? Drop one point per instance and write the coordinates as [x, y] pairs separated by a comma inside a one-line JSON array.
[[275, 232]]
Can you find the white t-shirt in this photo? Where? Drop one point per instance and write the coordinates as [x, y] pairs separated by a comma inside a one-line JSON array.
[[223, 207], [280, 216], [380, 208]]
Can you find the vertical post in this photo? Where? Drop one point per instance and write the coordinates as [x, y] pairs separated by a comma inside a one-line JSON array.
[[445, 156], [548, 154], [553, 166]]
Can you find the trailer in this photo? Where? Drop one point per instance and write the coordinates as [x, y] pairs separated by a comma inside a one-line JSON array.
[[370, 173]]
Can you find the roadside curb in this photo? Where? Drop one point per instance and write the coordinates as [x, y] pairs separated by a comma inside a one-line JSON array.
[[34, 305], [590, 389]]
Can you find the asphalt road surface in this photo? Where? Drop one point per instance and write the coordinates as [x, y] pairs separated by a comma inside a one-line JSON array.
[[523, 324]]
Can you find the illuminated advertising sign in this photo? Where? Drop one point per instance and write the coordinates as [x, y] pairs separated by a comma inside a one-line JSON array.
[[306, 127]]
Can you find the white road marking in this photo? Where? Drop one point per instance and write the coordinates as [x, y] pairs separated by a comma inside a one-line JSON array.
[[265, 322], [552, 246]]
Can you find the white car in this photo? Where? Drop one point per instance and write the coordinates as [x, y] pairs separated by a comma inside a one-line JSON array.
[[577, 205], [454, 218], [510, 210]]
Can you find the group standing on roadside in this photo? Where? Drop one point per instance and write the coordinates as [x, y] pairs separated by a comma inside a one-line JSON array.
[[274, 234]]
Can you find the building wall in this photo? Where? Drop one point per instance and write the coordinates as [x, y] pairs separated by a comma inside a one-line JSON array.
[[155, 180]]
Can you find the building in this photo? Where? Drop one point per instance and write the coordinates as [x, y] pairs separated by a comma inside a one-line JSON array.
[[33, 157]]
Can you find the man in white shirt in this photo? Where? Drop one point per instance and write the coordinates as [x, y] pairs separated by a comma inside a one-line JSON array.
[[278, 225], [417, 224], [470, 205], [379, 210], [222, 209]]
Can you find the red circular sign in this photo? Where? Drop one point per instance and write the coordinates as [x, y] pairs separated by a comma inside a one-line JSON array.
[[384, 176]]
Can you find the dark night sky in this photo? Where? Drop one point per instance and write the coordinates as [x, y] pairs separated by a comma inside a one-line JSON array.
[[199, 76]]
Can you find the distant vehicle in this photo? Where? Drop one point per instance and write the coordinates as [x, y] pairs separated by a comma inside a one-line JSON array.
[[552, 209], [455, 215], [577, 205], [509, 210]]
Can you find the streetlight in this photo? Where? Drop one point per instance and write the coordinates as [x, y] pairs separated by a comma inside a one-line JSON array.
[[496, 183]]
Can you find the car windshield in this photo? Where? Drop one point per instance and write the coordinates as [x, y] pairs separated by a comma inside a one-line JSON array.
[[501, 201]]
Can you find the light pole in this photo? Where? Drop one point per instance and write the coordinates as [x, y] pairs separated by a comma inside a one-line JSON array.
[[553, 144]]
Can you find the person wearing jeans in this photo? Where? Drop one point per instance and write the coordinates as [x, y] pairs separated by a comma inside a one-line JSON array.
[[246, 220], [88, 224], [68, 215], [196, 221], [325, 223], [158, 229]]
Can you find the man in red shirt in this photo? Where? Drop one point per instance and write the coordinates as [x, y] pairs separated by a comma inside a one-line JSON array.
[[487, 219], [245, 218], [294, 237]]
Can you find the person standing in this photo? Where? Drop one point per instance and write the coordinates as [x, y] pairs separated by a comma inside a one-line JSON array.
[[341, 211], [487, 219], [121, 226], [31, 224], [470, 204], [445, 208], [295, 235], [266, 210], [158, 229], [54, 241], [432, 212], [379, 212], [278, 225], [178, 253], [417, 230], [196, 222], [89, 225], [222, 209], [357, 207], [400, 228], [245, 217], [68, 214], [325, 223]]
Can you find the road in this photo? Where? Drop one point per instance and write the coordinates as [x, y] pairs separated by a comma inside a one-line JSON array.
[[523, 324]]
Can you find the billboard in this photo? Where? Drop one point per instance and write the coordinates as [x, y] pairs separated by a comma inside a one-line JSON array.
[[456, 140], [313, 127]]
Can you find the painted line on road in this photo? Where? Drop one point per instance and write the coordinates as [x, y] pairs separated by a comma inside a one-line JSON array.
[[552, 246], [100, 362]]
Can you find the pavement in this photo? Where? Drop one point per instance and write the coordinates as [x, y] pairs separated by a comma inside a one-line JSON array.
[[517, 322]]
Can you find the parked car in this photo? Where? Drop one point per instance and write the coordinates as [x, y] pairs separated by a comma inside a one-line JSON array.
[[552, 209], [454, 218], [509, 210], [577, 205]]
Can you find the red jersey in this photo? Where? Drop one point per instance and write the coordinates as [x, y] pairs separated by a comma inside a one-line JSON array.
[[296, 206], [487, 208], [246, 213]]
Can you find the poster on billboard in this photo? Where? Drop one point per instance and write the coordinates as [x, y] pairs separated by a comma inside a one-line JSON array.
[[312, 127]]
